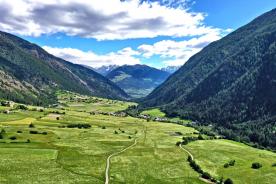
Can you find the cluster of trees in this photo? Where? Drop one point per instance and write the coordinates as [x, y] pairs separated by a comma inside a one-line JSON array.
[[37, 132], [206, 175], [79, 125], [256, 165], [230, 163]]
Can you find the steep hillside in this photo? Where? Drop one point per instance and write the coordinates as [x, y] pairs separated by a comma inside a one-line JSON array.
[[29, 74], [231, 81], [137, 80]]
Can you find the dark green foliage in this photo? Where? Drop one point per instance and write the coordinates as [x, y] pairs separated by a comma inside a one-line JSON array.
[[226, 165], [31, 125], [274, 165], [44, 133], [79, 125], [196, 167], [33, 132], [115, 132], [137, 80], [28, 141], [230, 84], [206, 175], [13, 138], [187, 140], [22, 107], [19, 131], [228, 181], [256, 165], [30, 75], [200, 137], [232, 162]]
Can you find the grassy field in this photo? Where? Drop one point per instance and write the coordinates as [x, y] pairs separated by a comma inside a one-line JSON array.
[[211, 155], [50, 152], [154, 113]]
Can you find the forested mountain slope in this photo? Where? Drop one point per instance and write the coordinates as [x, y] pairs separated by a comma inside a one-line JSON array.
[[29, 74], [231, 81]]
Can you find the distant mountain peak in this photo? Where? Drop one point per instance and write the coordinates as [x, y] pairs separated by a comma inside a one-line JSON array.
[[137, 80], [170, 69]]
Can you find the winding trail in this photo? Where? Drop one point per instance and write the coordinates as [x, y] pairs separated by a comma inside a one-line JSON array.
[[114, 154], [189, 153]]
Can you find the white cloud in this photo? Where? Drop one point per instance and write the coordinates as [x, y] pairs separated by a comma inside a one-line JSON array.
[[103, 20], [89, 58], [175, 53], [171, 52]]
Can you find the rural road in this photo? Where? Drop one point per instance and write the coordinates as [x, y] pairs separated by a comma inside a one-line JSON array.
[[114, 154], [189, 153]]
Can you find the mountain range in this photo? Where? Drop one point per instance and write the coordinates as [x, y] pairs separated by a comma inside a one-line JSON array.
[[137, 80], [105, 69], [29, 74], [230, 83]]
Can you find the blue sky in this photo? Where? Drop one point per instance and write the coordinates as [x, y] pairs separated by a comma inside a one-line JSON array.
[[157, 33]]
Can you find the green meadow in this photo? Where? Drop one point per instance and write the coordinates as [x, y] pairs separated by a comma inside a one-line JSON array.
[[49, 146]]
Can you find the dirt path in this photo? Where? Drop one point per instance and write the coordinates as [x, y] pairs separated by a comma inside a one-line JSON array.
[[189, 153], [114, 154]]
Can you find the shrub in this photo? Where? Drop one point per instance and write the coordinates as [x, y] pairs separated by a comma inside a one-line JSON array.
[[115, 132], [274, 165], [12, 138], [226, 165], [57, 118], [178, 143], [200, 137], [103, 127], [33, 132], [19, 131], [189, 159], [206, 175], [228, 181], [79, 125], [28, 141], [232, 162], [22, 107], [256, 165], [196, 167], [44, 133], [129, 137], [31, 125]]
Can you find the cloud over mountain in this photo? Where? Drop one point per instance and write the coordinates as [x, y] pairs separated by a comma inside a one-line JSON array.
[[111, 20], [89, 58]]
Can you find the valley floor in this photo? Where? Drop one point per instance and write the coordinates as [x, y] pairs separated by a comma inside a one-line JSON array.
[[40, 146]]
